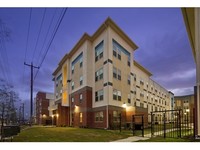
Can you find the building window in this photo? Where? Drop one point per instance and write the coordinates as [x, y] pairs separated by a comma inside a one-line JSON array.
[[129, 79], [81, 117], [142, 105], [141, 82], [129, 98], [116, 73], [72, 84], [99, 116], [99, 51], [128, 62], [141, 93], [114, 51], [72, 69], [99, 95], [80, 98], [116, 115], [81, 80], [116, 95], [119, 74], [134, 77], [99, 74], [119, 54], [81, 62]]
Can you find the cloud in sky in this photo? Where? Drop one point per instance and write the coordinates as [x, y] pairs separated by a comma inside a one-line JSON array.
[[160, 34]]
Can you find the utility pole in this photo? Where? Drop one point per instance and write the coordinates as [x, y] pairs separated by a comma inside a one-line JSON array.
[[31, 101]]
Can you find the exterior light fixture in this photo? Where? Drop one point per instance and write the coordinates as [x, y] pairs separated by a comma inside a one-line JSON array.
[[57, 115], [124, 105], [187, 110]]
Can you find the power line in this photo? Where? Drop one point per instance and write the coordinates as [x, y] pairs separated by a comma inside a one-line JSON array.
[[51, 41], [39, 34], [27, 39], [46, 35]]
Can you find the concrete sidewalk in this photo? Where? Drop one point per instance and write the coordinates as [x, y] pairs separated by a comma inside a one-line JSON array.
[[132, 139]]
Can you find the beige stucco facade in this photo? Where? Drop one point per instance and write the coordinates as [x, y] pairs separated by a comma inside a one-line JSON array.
[[109, 69]]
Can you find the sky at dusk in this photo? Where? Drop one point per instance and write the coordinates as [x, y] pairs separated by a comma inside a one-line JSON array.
[[160, 34]]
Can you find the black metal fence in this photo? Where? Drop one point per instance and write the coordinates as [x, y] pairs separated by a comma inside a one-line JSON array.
[[172, 123]]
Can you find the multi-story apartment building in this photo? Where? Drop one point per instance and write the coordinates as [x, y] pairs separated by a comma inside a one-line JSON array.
[[42, 103], [98, 80], [186, 104]]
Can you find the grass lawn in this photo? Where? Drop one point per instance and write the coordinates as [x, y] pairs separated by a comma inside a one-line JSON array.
[[67, 134]]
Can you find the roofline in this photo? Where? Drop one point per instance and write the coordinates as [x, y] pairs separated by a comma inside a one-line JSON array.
[[142, 68], [86, 36], [184, 96], [57, 70], [188, 28]]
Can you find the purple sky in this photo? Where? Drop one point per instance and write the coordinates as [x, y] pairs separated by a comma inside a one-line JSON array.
[[160, 34]]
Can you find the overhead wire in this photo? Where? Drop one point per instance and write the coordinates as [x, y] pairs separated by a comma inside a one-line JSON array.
[[44, 13], [53, 36], [27, 41], [46, 36]]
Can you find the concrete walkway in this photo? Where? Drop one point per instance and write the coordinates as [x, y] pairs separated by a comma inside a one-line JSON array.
[[132, 139], [146, 136]]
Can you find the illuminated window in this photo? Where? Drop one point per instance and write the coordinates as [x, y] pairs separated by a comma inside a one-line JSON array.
[[80, 97], [81, 117], [99, 116]]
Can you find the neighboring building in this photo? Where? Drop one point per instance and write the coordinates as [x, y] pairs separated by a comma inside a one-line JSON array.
[[192, 22], [186, 104], [171, 97], [42, 103], [99, 80]]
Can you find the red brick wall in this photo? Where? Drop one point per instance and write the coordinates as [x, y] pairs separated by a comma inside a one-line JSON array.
[[41, 98], [84, 106], [63, 115], [99, 124]]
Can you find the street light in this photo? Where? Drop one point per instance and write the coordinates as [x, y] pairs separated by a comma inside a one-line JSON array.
[[124, 105]]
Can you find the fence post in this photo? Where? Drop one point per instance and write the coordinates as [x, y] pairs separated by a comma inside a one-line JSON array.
[[179, 118], [164, 124], [142, 125], [2, 121], [152, 128], [120, 122], [133, 124], [194, 123]]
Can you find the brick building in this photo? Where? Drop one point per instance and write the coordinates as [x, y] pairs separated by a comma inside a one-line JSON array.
[[41, 107]]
